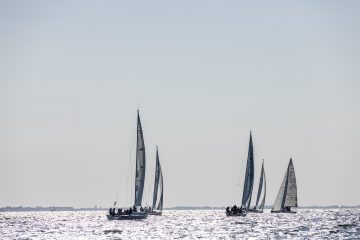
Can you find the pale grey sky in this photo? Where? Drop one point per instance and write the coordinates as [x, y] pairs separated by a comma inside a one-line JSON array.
[[204, 73]]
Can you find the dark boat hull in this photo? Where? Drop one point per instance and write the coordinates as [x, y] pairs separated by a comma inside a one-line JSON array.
[[230, 214], [133, 216], [255, 210], [282, 211]]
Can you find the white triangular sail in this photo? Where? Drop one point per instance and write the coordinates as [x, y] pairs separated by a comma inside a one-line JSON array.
[[158, 184], [287, 195], [249, 177], [291, 190], [140, 164]]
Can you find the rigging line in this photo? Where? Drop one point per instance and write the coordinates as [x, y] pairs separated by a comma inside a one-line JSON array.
[[127, 192], [130, 166], [148, 194], [238, 186]]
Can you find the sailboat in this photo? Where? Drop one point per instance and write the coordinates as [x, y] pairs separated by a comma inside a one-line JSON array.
[[262, 184], [158, 185], [248, 185], [135, 212], [287, 196]]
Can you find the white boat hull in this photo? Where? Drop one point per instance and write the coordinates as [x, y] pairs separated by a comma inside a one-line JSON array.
[[133, 216]]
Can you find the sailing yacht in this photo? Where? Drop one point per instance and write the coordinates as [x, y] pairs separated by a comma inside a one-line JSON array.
[[287, 196], [262, 184], [158, 185], [248, 184], [135, 212]]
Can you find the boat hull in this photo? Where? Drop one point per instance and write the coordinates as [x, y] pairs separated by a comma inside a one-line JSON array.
[[157, 213], [282, 211], [133, 216], [230, 214], [255, 211]]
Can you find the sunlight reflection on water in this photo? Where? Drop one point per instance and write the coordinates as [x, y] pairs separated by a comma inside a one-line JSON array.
[[183, 224]]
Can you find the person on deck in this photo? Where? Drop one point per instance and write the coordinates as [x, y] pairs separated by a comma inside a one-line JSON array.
[[228, 209], [234, 209]]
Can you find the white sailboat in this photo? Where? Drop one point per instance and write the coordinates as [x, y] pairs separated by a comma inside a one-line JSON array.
[[157, 204], [287, 196], [248, 185], [135, 212], [262, 184]]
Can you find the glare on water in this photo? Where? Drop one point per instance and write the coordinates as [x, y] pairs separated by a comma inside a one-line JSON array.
[[183, 224]]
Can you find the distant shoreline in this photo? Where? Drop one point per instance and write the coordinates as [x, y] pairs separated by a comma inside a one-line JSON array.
[[63, 209]]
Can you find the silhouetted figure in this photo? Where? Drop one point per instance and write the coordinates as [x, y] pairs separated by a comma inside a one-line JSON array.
[[134, 209], [234, 209], [228, 209], [110, 211]]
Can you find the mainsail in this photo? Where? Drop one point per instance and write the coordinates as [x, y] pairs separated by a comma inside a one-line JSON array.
[[160, 205], [140, 164], [262, 204], [287, 196], [249, 177], [158, 184], [262, 183]]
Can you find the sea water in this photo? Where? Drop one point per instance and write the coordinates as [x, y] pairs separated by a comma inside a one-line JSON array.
[[184, 224]]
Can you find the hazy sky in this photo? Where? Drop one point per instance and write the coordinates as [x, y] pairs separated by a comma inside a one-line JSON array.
[[204, 73]]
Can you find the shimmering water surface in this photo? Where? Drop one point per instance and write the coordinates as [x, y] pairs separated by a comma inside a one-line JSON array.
[[192, 224]]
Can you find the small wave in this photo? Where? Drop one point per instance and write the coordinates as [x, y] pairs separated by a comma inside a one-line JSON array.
[[112, 231], [240, 223], [347, 225]]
